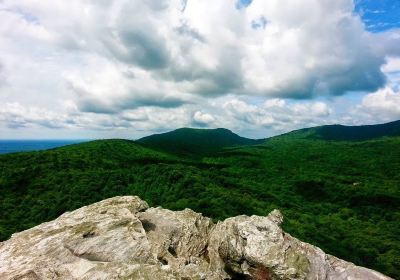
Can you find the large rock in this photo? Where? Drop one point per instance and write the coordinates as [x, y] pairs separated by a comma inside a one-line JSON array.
[[122, 238]]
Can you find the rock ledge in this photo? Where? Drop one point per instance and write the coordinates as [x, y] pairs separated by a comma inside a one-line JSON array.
[[122, 238]]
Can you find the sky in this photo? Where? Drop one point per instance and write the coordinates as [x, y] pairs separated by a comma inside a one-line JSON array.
[[85, 69]]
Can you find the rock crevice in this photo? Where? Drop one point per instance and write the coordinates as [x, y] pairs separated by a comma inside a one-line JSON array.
[[122, 238]]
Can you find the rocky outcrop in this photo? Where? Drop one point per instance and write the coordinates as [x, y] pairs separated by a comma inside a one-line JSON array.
[[122, 238]]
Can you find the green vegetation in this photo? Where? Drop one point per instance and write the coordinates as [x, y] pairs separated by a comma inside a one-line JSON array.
[[348, 133], [196, 142], [343, 196]]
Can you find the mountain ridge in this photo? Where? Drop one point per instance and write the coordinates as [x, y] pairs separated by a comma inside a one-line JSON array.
[[338, 132], [193, 141], [205, 141]]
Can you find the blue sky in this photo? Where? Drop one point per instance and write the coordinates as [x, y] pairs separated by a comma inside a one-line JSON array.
[[379, 15], [88, 69]]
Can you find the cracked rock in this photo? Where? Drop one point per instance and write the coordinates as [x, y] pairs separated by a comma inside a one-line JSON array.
[[122, 238]]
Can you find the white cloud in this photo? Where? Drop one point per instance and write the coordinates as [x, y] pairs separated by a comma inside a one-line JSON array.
[[303, 50], [277, 114], [203, 119], [382, 105], [15, 115], [16, 26], [2, 78], [387, 43], [392, 65], [159, 64], [274, 116], [104, 87]]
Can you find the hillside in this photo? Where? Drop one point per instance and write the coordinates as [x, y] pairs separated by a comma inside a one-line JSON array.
[[190, 141], [342, 196], [347, 133]]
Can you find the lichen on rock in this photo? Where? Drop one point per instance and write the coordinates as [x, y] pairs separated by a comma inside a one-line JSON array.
[[122, 238]]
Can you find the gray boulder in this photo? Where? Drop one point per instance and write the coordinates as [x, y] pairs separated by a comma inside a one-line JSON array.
[[122, 238]]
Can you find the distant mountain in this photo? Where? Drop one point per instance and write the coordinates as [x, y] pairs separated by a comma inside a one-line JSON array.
[[347, 133], [190, 141]]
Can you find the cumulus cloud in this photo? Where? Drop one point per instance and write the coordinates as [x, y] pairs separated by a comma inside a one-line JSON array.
[[146, 119], [104, 87], [248, 118], [2, 76], [387, 43], [15, 115], [392, 65], [300, 50], [203, 119], [277, 114], [383, 105], [159, 64]]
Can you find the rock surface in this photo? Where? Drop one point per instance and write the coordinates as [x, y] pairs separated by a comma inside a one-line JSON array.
[[122, 238]]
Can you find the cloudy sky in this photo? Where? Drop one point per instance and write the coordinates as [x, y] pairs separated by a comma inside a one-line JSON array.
[[129, 68]]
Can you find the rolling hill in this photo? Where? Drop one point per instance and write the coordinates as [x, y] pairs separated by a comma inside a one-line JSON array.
[[342, 196], [347, 133], [200, 142]]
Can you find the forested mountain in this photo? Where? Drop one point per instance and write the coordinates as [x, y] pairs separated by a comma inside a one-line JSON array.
[[348, 133], [191, 141], [343, 196]]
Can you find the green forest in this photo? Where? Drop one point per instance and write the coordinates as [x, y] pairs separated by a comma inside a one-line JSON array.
[[341, 194]]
